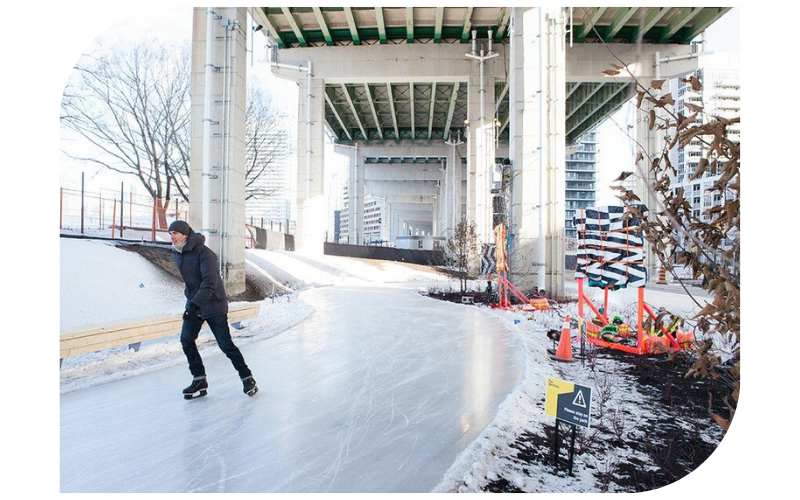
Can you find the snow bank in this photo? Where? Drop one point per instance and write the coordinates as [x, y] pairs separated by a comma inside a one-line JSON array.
[[101, 283]]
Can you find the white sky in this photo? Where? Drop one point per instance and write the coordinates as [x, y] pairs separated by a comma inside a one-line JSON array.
[[616, 151], [174, 25]]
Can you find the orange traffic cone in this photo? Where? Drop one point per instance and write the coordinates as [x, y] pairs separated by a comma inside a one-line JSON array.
[[564, 351]]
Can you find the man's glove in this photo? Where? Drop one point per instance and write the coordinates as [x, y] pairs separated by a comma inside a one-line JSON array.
[[191, 312]]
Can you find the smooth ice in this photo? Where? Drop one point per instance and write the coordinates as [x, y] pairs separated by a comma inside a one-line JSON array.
[[378, 390]]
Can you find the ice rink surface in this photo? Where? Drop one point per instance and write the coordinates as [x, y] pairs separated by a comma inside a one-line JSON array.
[[377, 391]]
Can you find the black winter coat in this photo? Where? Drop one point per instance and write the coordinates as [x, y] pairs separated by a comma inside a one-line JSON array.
[[199, 267]]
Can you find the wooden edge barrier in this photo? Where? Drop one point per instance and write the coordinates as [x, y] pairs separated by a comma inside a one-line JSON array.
[[84, 340]]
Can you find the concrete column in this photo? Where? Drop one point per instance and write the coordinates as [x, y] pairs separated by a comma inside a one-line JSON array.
[[481, 152], [456, 188], [311, 166], [216, 182], [436, 217], [389, 224], [355, 190], [447, 199], [529, 265], [652, 141]]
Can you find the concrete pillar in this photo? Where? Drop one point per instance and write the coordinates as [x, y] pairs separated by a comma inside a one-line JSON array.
[[529, 150], [652, 141], [448, 198], [355, 190], [456, 188], [311, 166], [436, 217], [481, 152], [217, 182]]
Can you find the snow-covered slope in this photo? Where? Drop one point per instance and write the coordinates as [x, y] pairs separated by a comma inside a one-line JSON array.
[[102, 283]]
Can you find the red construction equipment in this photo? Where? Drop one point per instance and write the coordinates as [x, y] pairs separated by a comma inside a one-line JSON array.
[[646, 343], [505, 286]]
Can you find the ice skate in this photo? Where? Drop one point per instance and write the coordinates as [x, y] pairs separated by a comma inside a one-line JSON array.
[[249, 386], [197, 389]]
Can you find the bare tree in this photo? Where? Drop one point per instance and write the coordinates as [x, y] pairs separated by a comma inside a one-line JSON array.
[[708, 243], [463, 246], [710, 247], [132, 107], [265, 144]]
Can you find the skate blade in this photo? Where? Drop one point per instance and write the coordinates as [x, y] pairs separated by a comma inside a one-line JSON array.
[[252, 392], [195, 395]]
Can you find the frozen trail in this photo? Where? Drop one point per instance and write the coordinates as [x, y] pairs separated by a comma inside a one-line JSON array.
[[377, 391]]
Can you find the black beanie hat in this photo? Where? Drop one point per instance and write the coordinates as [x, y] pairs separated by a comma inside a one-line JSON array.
[[181, 226]]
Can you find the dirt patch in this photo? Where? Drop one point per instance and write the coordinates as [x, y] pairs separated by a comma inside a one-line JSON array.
[[625, 450], [257, 288], [161, 256]]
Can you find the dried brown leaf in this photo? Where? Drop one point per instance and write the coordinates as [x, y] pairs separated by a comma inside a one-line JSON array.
[[639, 98], [724, 424], [687, 120], [656, 84], [610, 72], [666, 99], [693, 107], [702, 165], [624, 175]]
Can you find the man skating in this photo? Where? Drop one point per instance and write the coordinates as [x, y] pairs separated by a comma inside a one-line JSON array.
[[207, 301]]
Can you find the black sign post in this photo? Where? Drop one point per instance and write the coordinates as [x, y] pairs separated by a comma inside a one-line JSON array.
[[571, 405], [556, 447]]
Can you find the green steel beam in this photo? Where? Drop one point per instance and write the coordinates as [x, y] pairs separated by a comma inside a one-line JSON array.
[[505, 124], [505, 15], [410, 24], [467, 24], [592, 16], [611, 94], [652, 16], [381, 24], [679, 20], [293, 23], [323, 25], [433, 106], [621, 17], [394, 112], [589, 92], [705, 19], [451, 109], [611, 105], [572, 89], [502, 95], [374, 111], [351, 22], [437, 34], [354, 110], [337, 115]]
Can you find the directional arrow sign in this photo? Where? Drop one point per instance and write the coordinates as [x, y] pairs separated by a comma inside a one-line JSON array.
[[568, 402]]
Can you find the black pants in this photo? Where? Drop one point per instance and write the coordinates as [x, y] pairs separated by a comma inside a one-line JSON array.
[[219, 327]]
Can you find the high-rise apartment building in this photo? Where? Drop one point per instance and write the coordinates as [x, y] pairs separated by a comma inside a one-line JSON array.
[[272, 199], [581, 177]]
